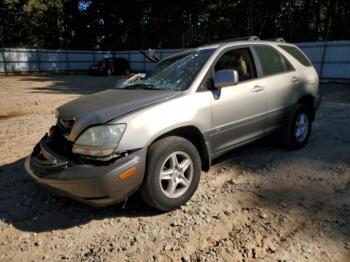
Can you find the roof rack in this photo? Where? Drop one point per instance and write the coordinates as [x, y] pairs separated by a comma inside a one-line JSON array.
[[244, 38], [277, 39]]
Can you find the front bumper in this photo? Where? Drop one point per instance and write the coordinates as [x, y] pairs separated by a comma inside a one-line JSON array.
[[95, 185]]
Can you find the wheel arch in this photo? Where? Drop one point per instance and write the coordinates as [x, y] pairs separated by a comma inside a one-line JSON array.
[[194, 135], [309, 102]]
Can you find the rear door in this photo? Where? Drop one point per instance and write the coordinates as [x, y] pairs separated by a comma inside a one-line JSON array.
[[281, 81], [238, 112]]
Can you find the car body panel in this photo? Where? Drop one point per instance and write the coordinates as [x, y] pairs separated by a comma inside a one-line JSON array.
[[154, 121], [282, 94], [95, 185], [238, 115]]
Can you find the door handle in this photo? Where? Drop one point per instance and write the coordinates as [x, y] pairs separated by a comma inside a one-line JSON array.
[[257, 88], [294, 79]]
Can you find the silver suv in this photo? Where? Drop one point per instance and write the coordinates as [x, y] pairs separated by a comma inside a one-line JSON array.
[[157, 133]]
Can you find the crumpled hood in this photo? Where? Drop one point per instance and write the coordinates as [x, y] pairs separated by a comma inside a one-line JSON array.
[[102, 107]]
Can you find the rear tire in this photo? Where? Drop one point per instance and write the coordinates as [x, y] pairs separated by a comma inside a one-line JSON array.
[[173, 173], [297, 132]]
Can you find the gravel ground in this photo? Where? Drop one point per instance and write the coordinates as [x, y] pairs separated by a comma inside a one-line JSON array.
[[259, 202]]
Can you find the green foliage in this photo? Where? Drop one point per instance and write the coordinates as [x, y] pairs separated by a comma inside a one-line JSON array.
[[136, 24]]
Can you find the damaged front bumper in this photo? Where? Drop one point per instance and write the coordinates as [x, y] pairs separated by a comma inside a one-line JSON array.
[[97, 185]]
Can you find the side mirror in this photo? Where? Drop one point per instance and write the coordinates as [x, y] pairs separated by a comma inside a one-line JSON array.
[[225, 78]]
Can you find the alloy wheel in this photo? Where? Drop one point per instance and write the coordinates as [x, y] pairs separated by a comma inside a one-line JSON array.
[[301, 127], [176, 174]]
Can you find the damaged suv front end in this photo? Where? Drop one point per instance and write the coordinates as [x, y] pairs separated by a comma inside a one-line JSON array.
[[93, 182], [79, 157], [88, 172]]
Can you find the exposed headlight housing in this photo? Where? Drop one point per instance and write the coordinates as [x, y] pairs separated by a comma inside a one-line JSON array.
[[99, 141]]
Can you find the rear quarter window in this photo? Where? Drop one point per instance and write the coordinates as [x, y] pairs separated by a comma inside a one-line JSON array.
[[296, 53]]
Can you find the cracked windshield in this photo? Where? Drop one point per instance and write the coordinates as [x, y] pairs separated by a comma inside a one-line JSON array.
[[175, 74]]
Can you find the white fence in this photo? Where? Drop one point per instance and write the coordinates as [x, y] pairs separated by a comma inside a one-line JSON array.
[[20, 60], [331, 59]]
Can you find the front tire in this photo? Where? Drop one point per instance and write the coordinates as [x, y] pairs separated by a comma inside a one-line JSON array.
[[173, 173], [297, 133]]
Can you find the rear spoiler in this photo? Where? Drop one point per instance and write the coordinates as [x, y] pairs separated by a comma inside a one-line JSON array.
[[151, 56]]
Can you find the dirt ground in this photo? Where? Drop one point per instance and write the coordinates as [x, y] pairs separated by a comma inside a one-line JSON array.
[[259, 202]]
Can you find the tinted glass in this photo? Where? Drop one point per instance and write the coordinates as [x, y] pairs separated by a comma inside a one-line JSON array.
[[287, 64], [297, 54], [271, 60]]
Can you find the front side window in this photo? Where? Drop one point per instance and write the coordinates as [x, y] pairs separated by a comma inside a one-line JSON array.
[[173, 74], [272, 62], [240, 60]]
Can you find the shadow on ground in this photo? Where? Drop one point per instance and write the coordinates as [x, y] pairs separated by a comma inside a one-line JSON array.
[[28, 207], [314, 181], [72, 84]]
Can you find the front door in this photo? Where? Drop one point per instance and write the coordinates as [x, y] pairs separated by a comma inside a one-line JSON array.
[[239, 110]]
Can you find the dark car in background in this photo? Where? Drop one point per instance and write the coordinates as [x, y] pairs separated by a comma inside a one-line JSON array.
[[110, 66]]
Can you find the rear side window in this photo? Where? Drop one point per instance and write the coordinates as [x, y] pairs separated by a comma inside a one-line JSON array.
[[297, 54], [272, 62], [287, 64]]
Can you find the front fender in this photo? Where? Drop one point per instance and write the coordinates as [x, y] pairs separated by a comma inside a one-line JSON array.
[[145, 125]]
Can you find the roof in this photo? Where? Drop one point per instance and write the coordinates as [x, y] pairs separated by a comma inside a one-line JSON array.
[[228, 42]]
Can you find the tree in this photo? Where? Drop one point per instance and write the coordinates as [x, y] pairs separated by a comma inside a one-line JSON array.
[[135, 24]]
